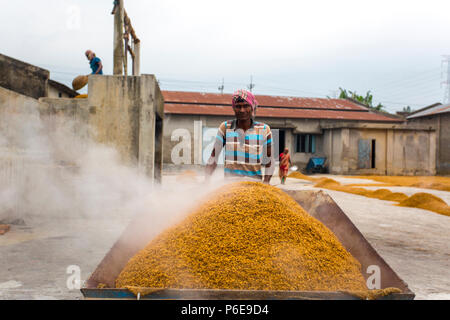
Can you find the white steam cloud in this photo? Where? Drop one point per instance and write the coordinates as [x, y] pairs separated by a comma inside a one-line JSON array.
[[50, 168]]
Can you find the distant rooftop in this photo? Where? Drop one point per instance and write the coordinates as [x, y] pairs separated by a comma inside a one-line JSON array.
[[434, 109], [62, 87], [197, 103]]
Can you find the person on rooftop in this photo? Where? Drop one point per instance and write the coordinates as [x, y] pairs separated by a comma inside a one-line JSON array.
[[247, 142], [95, 62]]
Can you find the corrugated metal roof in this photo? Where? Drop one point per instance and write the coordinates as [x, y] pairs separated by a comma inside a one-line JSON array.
[[220, 110], [431, 111], [263, 100], [196, 103]]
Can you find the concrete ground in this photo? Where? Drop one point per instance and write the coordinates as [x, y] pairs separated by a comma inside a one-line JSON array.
[[414, 242], [36, 257]]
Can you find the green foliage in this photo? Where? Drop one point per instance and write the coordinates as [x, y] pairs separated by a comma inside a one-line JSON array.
[[367, 100]]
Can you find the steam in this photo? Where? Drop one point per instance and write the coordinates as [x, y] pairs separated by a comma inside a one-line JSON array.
[[51, 168]]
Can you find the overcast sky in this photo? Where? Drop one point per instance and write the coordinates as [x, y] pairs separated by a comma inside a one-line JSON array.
[[299, 48]]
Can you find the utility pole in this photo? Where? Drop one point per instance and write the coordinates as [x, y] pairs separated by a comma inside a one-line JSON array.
[[123, 32], [445, 74], [137, 58], [251, 85], [119, 55], [221, 87]]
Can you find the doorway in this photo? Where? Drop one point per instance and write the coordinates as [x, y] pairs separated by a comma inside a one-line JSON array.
[[279, 139]]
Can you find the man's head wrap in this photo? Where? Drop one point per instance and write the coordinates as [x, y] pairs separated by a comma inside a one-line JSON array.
[[247, 96]]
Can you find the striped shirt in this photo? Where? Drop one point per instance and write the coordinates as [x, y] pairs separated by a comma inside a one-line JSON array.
[[245, 152]]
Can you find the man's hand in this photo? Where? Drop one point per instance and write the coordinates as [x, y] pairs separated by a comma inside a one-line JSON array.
[[210, 166], [266, 179], [209, 170], [268, 167]]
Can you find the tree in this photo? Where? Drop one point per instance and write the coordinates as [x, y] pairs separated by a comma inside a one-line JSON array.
[[367, 100], [407, 109]]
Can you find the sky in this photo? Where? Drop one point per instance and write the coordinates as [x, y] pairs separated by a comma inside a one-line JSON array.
[[292, 48]]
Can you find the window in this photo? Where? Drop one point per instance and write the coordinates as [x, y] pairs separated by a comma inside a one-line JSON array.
[[305, 143]]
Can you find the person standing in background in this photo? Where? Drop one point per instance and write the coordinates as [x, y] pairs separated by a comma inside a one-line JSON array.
[[285, 161], [95, 62]]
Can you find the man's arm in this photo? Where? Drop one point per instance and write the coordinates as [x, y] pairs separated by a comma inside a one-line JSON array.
[[268, 168], [269, 163], [211, 165]]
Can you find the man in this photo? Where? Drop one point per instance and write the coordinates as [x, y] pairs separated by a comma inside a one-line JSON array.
[[248, 143], [285, 161], [95, 62]]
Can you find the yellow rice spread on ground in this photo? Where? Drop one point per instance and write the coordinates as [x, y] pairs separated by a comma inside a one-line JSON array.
[[420, 200], [298, 175], [426, 182], [428, 202], [246, 236]]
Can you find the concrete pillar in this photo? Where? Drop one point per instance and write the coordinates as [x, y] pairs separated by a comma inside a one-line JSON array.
[[146, 128], [127, 113], [345, 139], [137, 59], [198, 142], [330, 152], [289, 136], [390, 152], [432, 153], [118, 39]]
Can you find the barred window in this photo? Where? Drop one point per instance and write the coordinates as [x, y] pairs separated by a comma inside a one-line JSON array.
[[305, 143]]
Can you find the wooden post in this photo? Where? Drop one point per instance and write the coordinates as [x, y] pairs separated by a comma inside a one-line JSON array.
[[125, 57], [137, 59], [118, 38]]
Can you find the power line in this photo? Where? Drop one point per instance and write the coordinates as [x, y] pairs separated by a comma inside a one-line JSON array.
[[409, 95], [386, 102], [416, 82], [415, 77], [426, 80], [408, 90], [402, 103], [418, 96], [188, 85]]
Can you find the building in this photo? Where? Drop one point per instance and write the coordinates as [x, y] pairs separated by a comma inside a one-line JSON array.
[[353, 138], [124, 112], [59, 90], [437, 116], [175, 130], [30, 81]]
